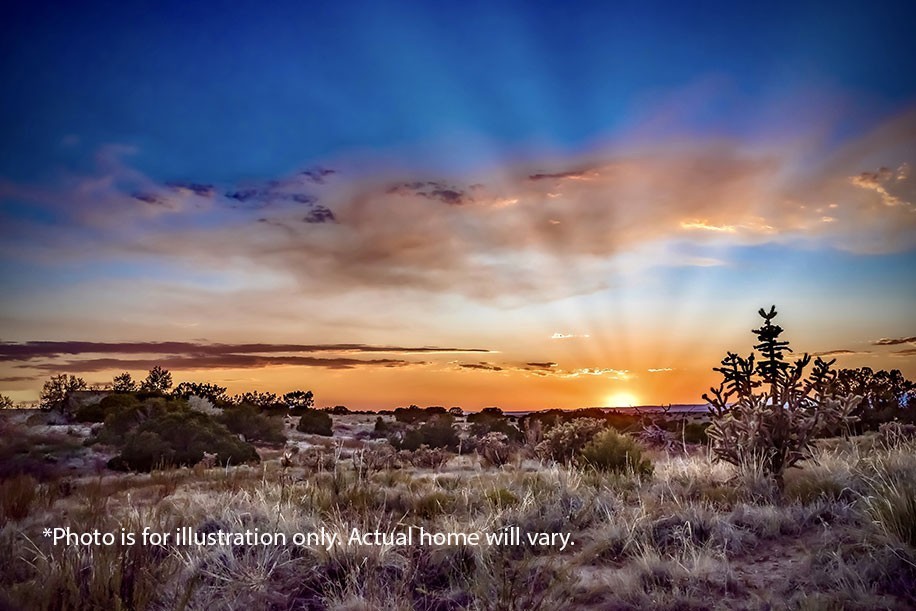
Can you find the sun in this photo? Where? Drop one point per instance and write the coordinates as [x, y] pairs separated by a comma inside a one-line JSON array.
[[621, 399]]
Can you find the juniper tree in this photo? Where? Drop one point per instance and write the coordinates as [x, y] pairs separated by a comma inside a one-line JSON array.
[[766, 413]]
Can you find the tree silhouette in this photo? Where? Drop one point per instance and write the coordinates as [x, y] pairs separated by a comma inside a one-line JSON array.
[[56, 391], [158, 381], [773, 430], [123, 382]]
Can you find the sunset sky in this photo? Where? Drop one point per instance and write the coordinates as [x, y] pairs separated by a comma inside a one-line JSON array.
[[523, 204]]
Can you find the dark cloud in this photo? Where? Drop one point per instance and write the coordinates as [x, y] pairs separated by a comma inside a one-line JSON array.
[[260, 198], [431, 190], [152, 200], [542, 365], [481, 365], [572, 174], [199, 189], [219, 361], [317, 175], [907, 352], [320, 214], [873, 178], [896, 341], [10, 379], [26, 351]]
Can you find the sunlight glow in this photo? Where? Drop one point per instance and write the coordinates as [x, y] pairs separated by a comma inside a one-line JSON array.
[[621, 399]]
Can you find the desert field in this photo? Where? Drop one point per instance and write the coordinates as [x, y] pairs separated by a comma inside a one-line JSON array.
[[676, 531]]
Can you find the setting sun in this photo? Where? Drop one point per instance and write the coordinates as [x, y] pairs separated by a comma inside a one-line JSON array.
[[621, 399]]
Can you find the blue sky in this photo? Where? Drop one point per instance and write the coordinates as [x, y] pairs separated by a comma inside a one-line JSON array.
[[225, 91], [496, 173]]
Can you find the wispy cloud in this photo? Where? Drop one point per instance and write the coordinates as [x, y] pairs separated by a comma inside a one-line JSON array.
[[514, 236], [894, 341], [568, 336], [841, 352], [26, 351]]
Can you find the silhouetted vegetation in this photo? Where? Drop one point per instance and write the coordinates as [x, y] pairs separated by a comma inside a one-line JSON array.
[[248, 421], [158, 381], [179, 437], [56, 391], [612, 451], [123, 382], [315, 422], [774, 428]]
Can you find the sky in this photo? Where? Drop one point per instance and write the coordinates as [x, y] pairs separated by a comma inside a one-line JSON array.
[[521, 204]]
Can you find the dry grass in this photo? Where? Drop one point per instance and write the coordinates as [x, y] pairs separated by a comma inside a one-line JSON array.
[[694, 535]]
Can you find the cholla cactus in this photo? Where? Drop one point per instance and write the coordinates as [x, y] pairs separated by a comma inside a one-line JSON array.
[[773, 429], [495, 450]]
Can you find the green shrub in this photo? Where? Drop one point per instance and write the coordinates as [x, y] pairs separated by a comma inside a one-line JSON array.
[[492, 420], [495, 450], [613, 451], [564, 441], [98, 412], [180, 437], [248, 421], [438, 432], [315, 422]]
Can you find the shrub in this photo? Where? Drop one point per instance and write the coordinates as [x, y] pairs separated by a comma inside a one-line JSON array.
[[895, 433], [17, 494], [494, 450], [315, 422], [425, 457], [318, 459], [375, 458], [773, 430], [113, 403], [247, 421], [492, 420], [438, 432], [414, 414], [180, 437], [564, 441], [613, 451]]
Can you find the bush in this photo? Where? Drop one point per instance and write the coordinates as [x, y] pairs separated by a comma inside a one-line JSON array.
[[494, 450], [17, 494], [180, 437], [414, 414], [617, 452], [438, 432], [113, 403], [565, 441], [248, 421], [425, 457], [492, 420], [315, 422]]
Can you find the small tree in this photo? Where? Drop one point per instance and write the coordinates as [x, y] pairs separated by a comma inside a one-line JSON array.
[[158, 380], [299, 399], [211, 392], [55, 391], [124, 383], [773, 429], [5, 402], [261, 400]]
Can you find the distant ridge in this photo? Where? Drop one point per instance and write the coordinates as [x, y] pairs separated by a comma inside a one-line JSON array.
[[673, 408]]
